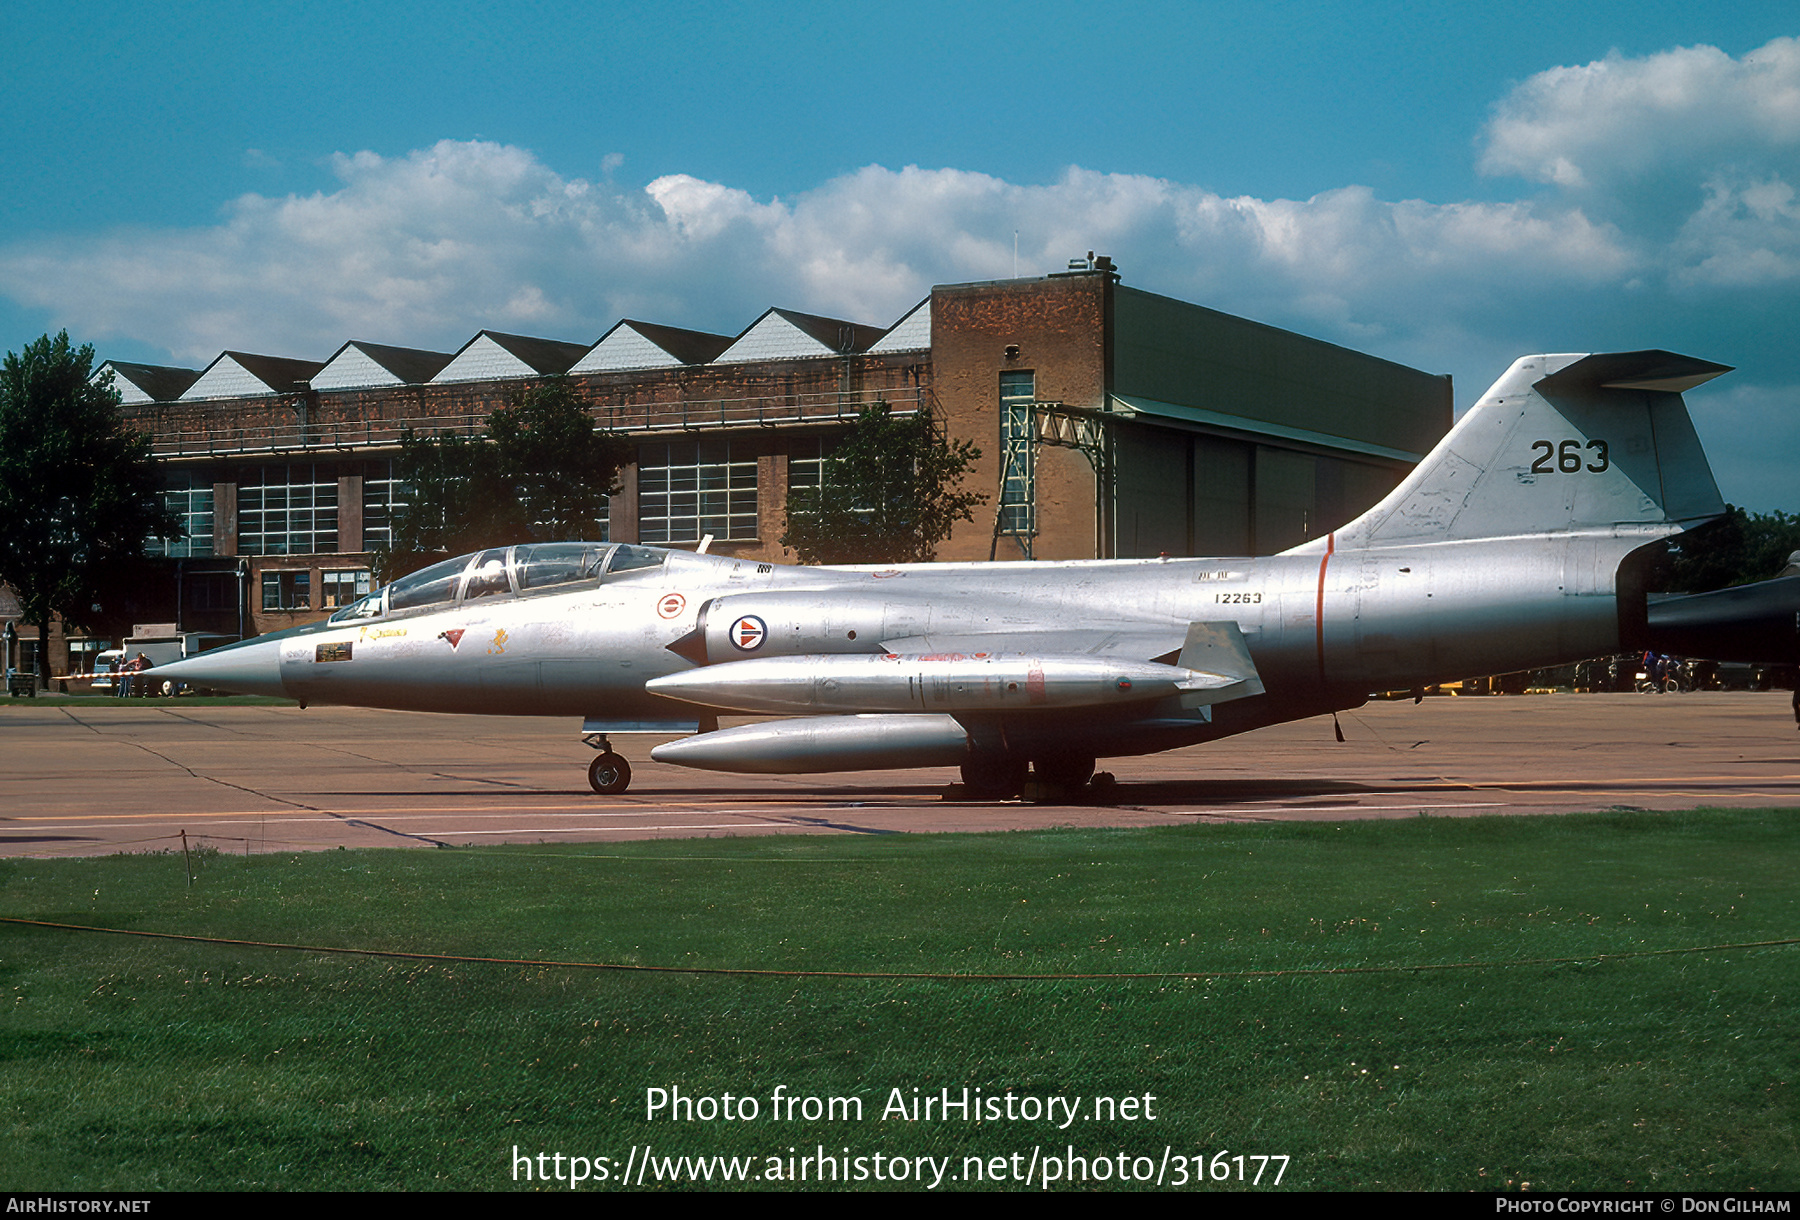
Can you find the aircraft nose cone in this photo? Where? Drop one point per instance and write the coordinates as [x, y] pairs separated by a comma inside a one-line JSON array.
[[250, 668]]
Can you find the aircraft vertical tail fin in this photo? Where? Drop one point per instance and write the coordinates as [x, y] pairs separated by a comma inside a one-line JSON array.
[[1560, 443]]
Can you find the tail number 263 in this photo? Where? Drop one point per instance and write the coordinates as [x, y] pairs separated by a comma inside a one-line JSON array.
[[1566, 457]]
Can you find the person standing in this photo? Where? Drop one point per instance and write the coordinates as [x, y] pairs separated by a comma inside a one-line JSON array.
[[129, 672]]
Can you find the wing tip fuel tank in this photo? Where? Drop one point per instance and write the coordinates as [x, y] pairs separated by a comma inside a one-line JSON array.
[[823, 743]]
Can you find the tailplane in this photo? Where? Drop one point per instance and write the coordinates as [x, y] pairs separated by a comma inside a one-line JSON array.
[[1560, 443]]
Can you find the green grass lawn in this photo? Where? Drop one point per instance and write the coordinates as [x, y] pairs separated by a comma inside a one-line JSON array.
[[132, 1063]]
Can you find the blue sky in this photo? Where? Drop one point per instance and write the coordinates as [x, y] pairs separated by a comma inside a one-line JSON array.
[[1449, 186]]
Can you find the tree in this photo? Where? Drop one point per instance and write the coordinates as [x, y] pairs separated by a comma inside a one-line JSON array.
[[80, 495], [455, 502], [1736, 549], [560, 469], [887, 495], [542, 473]]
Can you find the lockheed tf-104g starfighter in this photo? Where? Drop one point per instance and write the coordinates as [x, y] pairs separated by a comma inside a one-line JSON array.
[[1505, 549]]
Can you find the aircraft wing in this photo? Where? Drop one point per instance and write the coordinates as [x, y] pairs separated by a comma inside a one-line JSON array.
[[1219, 648]]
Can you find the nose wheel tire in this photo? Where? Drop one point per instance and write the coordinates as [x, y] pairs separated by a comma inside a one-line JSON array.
[[609, 774]]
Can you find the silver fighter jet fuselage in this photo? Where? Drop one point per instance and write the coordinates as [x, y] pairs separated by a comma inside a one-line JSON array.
[[1501, 551]]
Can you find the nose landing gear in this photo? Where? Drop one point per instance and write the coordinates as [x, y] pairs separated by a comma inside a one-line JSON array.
[[609, 774]]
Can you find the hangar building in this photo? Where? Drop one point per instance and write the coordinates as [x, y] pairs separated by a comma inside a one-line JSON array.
[[1112, 422]]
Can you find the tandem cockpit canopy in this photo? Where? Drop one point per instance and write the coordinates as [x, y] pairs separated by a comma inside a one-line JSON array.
[[515, 571]]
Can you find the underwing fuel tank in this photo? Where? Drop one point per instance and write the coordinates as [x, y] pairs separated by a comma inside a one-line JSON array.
[[951, 682], [817, 744]]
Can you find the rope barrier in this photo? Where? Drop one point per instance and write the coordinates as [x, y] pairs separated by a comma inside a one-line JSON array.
[[901, 975]]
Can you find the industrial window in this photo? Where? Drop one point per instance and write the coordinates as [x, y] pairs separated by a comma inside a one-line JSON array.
[[288, 510], [599, 531], [210, 592], [342, 588], [287, 590], [383, 497], [687, 489], [1018, 478], [190, 497], [807, 456]]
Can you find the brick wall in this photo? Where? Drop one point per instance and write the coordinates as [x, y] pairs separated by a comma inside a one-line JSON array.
[[632, 401], [1059, 326], [752, 404]]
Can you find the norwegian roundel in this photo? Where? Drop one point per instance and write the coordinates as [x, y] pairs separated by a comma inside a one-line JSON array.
[[748, 633]]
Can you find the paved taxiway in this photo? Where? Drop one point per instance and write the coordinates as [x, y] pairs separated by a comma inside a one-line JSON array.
[[82, 779]]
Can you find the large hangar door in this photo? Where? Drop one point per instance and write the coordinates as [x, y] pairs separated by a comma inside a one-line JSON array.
[[1151, 477], [1222, 472]]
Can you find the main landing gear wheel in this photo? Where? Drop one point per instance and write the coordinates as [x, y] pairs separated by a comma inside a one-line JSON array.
[[609, 774], [1066, 770], [994, 778]]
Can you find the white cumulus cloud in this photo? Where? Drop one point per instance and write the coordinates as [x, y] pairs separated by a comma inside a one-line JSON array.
[[1690, 150], [1662, 198], [1602, 126], [430, 247]]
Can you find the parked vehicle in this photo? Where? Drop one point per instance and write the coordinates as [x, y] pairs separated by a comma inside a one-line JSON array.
[[162, 648]]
